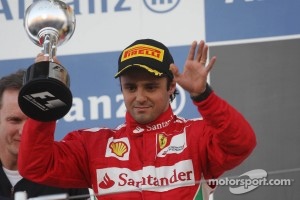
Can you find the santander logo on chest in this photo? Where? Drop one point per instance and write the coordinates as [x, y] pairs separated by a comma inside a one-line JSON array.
[[149, 178]]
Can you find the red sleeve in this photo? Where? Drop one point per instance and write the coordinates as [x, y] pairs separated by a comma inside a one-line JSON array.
[[43, 160], [229, 137]]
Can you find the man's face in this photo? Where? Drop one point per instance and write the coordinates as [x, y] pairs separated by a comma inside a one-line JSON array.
[[145, 96], [11, 123]]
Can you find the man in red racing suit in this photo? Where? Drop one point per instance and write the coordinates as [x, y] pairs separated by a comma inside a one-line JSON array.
[[167, 158]]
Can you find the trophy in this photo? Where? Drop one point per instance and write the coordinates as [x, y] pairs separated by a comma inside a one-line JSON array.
[[45, 95]]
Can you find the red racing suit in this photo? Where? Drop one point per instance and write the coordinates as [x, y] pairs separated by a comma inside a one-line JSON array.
[[166, 159]]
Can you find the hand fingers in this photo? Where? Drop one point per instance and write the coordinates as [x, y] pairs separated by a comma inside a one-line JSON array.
[[191, 53], [201, 55], [202, 59], [211, 63], [200, 51], [55, 60], [41, 57]]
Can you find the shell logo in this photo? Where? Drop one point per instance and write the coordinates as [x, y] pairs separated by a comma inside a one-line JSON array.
[[118, 148]]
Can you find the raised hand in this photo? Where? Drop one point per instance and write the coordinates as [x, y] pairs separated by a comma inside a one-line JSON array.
[[194, 76]]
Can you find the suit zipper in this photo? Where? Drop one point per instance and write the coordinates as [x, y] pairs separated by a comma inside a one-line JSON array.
[[12, 192]]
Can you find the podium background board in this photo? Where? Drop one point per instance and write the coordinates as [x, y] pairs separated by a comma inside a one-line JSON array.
[[257, 44]]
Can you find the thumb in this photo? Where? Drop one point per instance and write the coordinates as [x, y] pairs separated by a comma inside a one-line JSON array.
[[56, 60], [174, 69]]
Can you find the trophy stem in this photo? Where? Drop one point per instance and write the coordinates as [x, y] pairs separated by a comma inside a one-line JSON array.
[[49, 37]]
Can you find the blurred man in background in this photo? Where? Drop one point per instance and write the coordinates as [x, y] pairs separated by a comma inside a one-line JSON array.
[[12, 120]]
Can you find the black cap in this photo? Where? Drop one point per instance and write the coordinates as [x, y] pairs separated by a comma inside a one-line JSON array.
[[149, 54]]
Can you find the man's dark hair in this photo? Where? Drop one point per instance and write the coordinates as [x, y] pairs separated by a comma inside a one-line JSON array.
[[11, 81]]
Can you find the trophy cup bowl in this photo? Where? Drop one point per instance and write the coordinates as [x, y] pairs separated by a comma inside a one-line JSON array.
[[45, 95]]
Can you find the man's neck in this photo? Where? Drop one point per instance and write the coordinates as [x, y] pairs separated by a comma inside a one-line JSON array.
[[9, 162]]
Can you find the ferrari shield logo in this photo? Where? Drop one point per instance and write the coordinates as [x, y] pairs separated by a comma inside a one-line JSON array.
[[162, 140]]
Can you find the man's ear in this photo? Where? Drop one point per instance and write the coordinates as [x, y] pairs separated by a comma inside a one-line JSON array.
[[172, 87]]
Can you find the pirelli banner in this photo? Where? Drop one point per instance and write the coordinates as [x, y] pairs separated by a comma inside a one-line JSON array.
[[257, 44]]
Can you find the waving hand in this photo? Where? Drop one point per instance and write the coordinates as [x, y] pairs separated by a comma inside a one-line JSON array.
[[194, 76]]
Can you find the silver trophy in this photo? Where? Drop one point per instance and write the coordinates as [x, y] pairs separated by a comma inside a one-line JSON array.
[[45, 95]]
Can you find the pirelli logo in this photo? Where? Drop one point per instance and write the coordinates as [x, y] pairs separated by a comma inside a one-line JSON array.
[[142, 50]]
